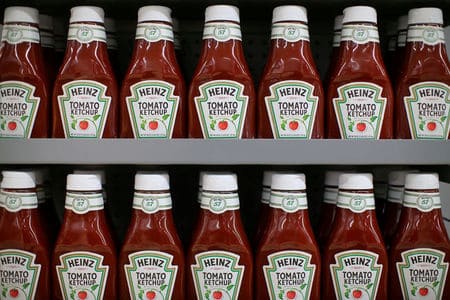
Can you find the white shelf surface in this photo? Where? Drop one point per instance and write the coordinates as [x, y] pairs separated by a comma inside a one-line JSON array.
[[224, 152]]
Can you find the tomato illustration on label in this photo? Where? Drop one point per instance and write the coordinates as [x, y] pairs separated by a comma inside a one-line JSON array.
[[222, 109], [359, 110], [152, 108], [18, 109], [291, 108], [428, 110], [84, 108]]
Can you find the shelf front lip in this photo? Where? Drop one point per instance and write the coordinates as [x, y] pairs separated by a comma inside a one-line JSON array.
[[224, 152]]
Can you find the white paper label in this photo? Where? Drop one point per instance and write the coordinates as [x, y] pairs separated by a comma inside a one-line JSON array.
[[330, 195], [14, 202], [150, 275], [84, 108], [84, 203], [288, 202], [18, 109], [289, 275], [19, 274], [152, 108], [360, 34], [429, 35], [82, 275], [219, 203], [222, 31], [422, 274], [222, 109], [291, 109], [359, 110], [428, 110], [425, 202], [15, 34], [154, 32], [356, 202], [290, 32], [356, 275], [217, 275], [152, 203], [86, 33]]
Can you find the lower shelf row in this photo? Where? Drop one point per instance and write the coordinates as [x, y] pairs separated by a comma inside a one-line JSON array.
[[348, 257]]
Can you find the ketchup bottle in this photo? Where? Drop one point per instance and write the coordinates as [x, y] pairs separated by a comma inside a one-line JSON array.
[[151, 262], [112, 46], [328, 208], [360, 98], [84, 258], [264, 208], [423, 109], [48, 46], [85, 90], [153, 91], [290, 96], [335, 50], [219, 260], [221, 95], [355, 263], [397, 67], [24, 246], [287, 262], [420, 251], [23, 78], [393, 207]]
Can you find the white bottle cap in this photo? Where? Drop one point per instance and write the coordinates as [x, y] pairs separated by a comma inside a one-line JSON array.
[[100, 173], [83, 182], [356, 181], [87, 14], [200, 178], [21, 14], [222, 13], [397, 178], [288, 181], [289, 13], [332, 178], [46, 22], [151, 181], [220, 182], [18, 180], [364, 14], [422, 181], [41, 176], [338, 22], [402, 22], [154, 13], [267, 178], [110, 25], [425, 15]]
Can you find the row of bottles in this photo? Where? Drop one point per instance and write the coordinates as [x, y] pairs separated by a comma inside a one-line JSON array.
[[358, 101], [349, 262]]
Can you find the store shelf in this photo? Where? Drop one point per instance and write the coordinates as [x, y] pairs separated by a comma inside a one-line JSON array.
[[224, 152]]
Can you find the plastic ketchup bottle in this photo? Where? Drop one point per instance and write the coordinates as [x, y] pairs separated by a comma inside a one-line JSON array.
[[84, 258], [423, 94], [85, 91], [221, 95], [288, 250], [153, 90], [219, 260], [420, 251], [402, 30], [355, 263], [24, 246], [360, 97], [151, 262], [290, 96], [24, 89], [337, 29], [264, 208]]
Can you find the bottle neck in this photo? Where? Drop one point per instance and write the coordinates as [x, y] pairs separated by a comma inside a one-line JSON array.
[[150, 208], [220, 208], [84, 206], [16, 200], [354, 205], [86, 40], [154, 39], [22, 42], [289, 36], [359, 41], [222, 39], [426, 41]]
